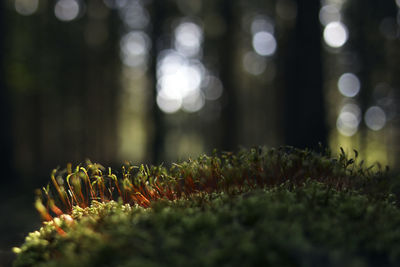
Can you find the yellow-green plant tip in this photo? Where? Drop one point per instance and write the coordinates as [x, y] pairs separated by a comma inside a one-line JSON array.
[[16, 250]]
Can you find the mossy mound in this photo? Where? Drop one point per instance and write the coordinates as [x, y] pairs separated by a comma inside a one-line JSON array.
[[317, 211]]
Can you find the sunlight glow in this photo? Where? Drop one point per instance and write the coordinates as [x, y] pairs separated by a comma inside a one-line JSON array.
[[264, 43], [169, 101], [335, 34], [375, 118], [347, 123], [179, 82], [188, 38], [349, 85], [349, 119], [66, 10], [353, 108], [26, 7], [186, 78], [180, 75]]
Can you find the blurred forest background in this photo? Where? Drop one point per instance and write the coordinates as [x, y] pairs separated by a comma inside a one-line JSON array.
[[159, 81]]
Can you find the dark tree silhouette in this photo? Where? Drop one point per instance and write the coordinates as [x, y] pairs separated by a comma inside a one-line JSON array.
[[304, 112], [227, 68], [6, 155], [369, 50], [157, 143]]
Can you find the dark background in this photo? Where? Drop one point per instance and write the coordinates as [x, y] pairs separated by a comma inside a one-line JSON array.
[[161, 81]]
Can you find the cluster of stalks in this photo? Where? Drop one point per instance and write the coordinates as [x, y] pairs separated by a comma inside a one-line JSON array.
[[134, 185], [229, 173]]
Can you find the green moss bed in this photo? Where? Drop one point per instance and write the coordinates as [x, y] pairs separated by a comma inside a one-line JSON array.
[[259, 207]]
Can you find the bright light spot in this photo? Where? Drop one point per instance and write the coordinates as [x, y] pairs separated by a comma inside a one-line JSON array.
[[347, 123], [349, 85], [375, 118], [328, 14], [66, 10], [335, 34], [135, 16], [262, 23], [213, 88], [398, 3], [193, 102], [264, 43], [169, 61], [188, 38], [134, 48], [26, 7], [353, 108], [179, 81], [185, 79], [169, 101], [254, 63]]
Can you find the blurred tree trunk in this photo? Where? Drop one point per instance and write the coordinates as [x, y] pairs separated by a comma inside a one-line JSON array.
[[359, 24], [227, 74], [65, 92], [101, 72], [6, 157], [375, 63], [392, 56], [304, 112], [158, 125]]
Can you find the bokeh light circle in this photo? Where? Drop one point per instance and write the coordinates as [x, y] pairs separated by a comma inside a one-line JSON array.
[[347, 123], [375, 118], [335, 34], [264, 43], [66, 10], [349, 84]]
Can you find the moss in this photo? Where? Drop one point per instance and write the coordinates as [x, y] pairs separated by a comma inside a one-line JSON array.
[[284, 207]]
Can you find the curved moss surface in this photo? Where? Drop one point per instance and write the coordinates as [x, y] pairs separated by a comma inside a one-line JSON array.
[[283, 207]]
